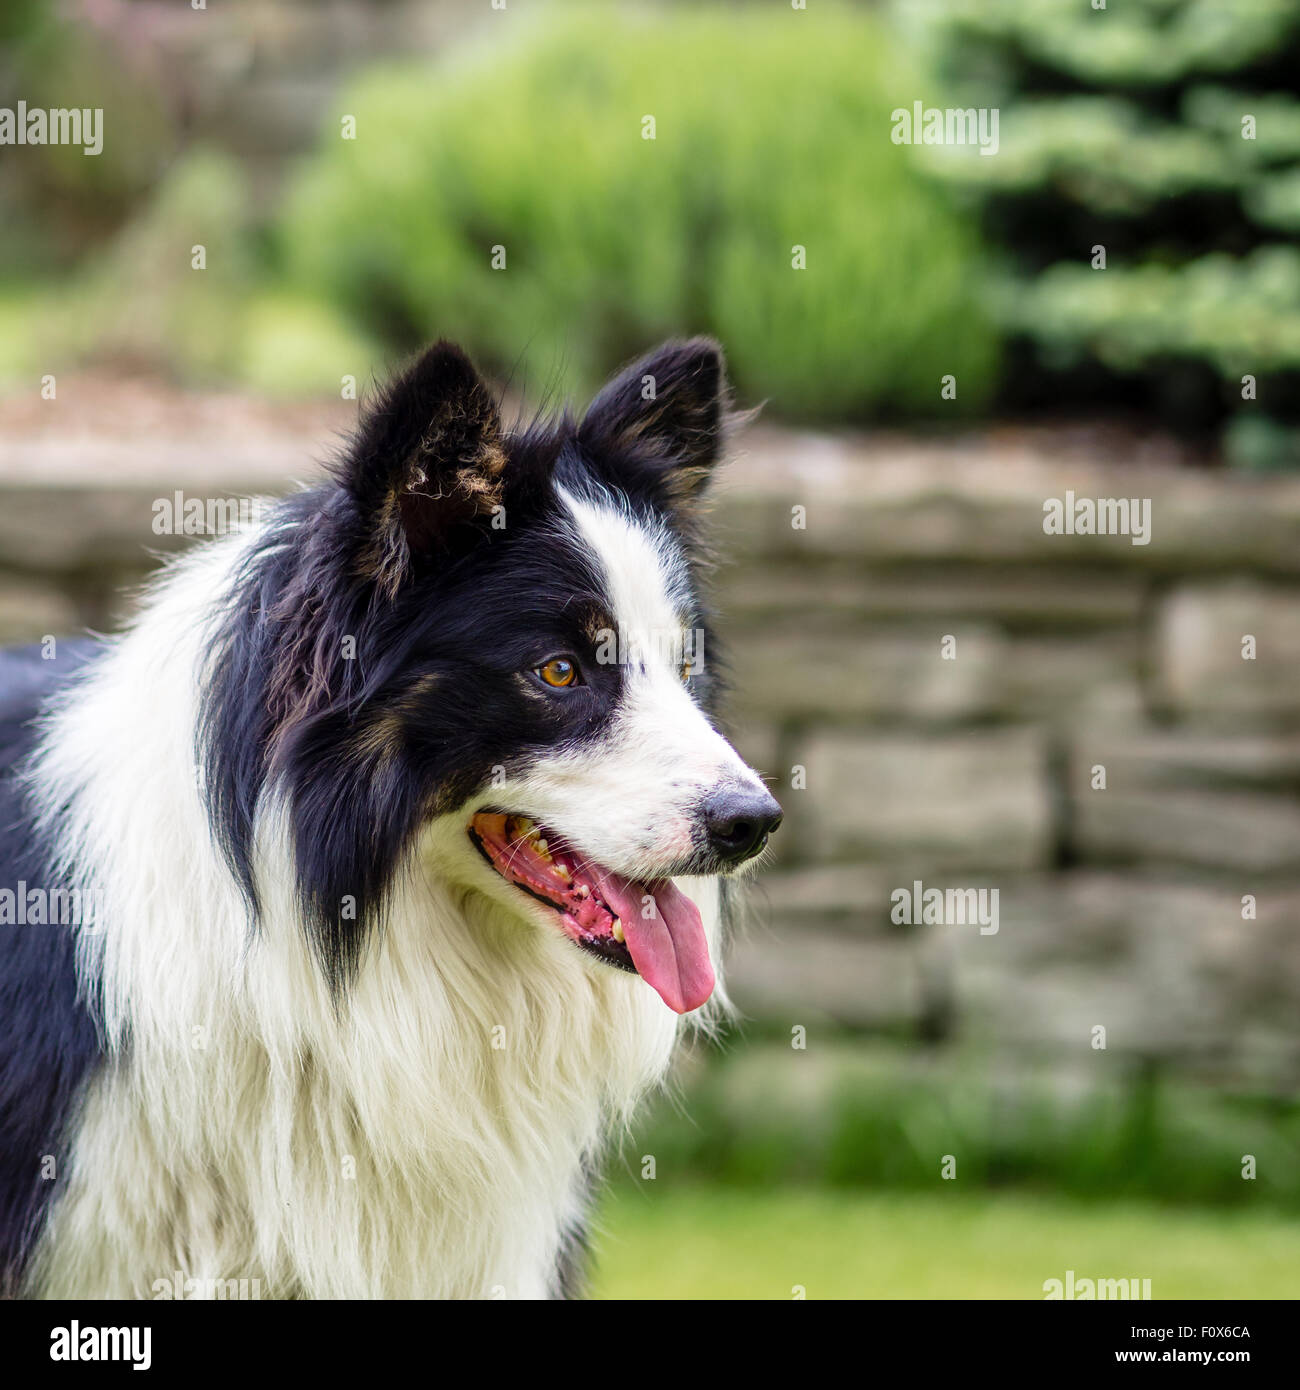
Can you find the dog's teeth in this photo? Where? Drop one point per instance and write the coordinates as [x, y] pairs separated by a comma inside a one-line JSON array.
[[540, 845], [582, 891], [520, 828], [618, 929], [562, 873]]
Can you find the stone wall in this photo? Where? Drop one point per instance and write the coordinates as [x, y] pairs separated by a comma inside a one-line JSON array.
[[1120, 907]]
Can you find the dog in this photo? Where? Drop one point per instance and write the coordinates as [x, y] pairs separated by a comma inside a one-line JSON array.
[[399, 831]]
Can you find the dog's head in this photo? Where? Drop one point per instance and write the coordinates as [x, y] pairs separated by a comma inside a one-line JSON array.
[[499, 633]]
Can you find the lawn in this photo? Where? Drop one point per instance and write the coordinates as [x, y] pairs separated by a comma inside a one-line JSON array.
[[658, 1242]]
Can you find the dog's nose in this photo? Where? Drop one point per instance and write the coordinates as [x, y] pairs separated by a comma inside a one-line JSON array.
[[738, 822]]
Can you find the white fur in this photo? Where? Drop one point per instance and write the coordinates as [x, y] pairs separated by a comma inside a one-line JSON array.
[[629, 803], [427, 1139]]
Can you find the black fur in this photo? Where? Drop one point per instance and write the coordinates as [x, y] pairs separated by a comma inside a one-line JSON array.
[[439, 557], [572, 1264], [662, 449], [49, 1035]]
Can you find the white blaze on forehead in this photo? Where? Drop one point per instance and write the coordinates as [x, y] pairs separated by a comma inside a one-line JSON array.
[[631, 799], [647, 584]]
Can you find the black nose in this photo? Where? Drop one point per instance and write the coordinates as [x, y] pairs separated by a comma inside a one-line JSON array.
[[738, 823]]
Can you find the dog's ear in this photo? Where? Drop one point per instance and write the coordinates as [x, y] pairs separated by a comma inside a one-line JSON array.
[[427, 459], [665, 415]]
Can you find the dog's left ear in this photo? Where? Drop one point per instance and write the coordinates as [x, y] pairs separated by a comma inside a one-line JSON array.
[[427, 462], [665, 415]]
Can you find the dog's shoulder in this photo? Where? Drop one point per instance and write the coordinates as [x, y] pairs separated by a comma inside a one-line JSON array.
[[48, 1038]]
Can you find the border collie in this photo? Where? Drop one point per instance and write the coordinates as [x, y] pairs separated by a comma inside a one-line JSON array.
[[405, 818]]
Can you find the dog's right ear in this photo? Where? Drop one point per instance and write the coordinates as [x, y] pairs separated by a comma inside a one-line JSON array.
[[664, 419], [427, 460]]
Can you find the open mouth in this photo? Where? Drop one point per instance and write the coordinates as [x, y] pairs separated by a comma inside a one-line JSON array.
[[649, 927]]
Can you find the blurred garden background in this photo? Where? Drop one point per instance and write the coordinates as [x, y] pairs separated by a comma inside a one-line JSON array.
[[291, 196]]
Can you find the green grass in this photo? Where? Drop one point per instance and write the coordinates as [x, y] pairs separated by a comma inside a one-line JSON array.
[[661, 1242]]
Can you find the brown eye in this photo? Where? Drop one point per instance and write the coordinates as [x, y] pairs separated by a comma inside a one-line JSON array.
[[686, 670], [558, 672]]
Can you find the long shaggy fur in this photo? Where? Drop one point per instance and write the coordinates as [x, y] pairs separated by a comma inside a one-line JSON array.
[[311, 1040]]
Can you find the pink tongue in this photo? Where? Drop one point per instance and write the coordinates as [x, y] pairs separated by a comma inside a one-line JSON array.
[[665, 938]]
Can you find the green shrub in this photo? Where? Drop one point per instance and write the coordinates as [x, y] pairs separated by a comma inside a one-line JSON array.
[[1167, 132], [58, 203], [141, 300], [771, 132], [867, 1115], [1239, 315]]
